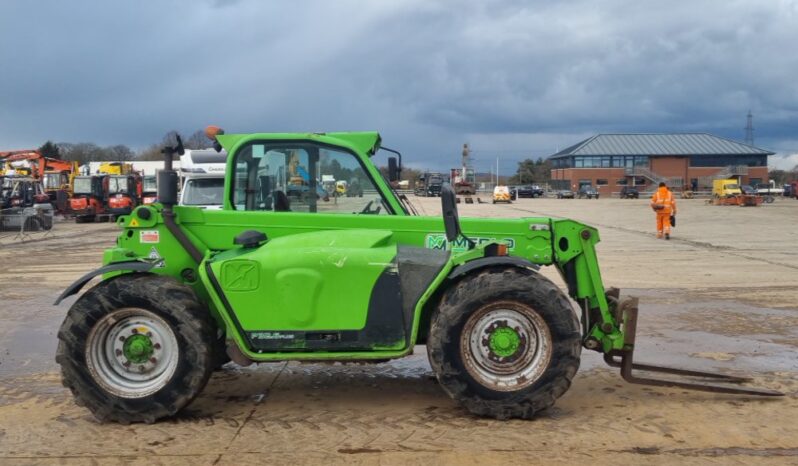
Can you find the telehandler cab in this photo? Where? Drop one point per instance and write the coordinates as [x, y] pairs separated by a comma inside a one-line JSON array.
[[358, 279]]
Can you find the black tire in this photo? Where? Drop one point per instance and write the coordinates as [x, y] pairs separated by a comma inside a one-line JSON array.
[[171, 302], [47, 222], [510, 287]]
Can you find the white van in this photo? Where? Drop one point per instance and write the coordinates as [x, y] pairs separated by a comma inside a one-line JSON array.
[[203, 171]]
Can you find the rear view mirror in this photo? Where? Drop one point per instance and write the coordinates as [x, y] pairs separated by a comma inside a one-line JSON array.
[[393, 169]]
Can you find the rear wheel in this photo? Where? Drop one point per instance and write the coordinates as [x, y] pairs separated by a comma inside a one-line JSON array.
[[136, 348], [505, 343]]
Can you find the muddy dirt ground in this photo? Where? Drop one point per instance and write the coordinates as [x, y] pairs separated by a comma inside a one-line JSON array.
[[721, 295]]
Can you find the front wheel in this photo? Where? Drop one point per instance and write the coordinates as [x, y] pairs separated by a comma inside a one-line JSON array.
[[136, 348], [505, 343]]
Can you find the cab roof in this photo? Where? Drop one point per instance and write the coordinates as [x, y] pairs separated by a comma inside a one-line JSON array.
[[367, 142]]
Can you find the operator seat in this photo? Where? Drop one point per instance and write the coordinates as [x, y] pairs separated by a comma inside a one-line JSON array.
[[281, 202]]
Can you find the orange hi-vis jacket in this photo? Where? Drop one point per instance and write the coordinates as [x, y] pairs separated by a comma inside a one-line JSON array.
[[665, 198]]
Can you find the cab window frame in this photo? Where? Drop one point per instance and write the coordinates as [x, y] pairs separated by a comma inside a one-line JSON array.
[[299, 145]]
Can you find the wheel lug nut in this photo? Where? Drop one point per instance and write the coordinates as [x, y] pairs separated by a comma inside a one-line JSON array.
[[157, 346], [149, 334], [134, 331], [119, 352], [153, 360], [141, 368], [121, 338], [126, 363]]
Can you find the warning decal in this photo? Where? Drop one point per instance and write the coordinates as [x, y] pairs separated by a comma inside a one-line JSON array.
[[159, 262], [149, 236]]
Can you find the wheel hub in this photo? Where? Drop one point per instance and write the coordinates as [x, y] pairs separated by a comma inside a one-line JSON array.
[[132, 352], [504, 341], [138, 348], [506, 345]]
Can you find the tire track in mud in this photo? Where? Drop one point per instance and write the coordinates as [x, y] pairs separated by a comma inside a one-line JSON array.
[[697, 244], [258, 400], [714, 452]]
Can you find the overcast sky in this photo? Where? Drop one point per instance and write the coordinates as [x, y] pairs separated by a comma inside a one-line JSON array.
[[515, 79]]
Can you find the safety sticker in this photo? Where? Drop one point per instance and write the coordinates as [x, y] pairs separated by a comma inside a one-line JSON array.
[[133, 223], [155, 257], [150, 236]]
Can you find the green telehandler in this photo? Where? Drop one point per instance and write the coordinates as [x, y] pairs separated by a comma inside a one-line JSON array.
[[330, 278]]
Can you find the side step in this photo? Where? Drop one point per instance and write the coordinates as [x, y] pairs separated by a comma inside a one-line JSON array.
[[627, 309]]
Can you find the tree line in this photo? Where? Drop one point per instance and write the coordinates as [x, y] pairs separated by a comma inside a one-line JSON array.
[[85, 152]]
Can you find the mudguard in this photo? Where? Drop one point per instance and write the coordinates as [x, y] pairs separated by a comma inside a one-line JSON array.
[[133, 266], [489, 261]]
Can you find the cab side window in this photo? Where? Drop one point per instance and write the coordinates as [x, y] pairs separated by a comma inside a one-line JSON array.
[[303, 178]]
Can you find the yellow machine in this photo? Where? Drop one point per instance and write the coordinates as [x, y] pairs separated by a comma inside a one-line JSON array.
[[725, 188], [116, 168], [340, 187]]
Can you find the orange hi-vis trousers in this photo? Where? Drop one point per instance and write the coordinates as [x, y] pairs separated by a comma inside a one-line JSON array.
[[663, 223]]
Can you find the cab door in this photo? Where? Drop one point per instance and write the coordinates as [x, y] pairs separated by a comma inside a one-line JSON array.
[[336, 291]]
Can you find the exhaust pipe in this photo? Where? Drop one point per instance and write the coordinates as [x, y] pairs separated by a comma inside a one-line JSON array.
[[167, 195]]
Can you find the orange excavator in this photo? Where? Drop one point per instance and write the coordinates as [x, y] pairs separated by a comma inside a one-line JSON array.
[[55, 175]]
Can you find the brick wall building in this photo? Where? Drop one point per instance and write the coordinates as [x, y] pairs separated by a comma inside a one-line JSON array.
[[683, 160]]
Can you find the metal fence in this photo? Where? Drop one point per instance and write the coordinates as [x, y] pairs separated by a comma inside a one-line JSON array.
[[25, 224]]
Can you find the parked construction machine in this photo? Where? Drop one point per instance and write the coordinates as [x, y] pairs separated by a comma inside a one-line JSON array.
[[464, 178], [123, 194], [116, 168], [88, 197], [263, 279], [149, 189], [56, 175], [728, 192], [24, 204]]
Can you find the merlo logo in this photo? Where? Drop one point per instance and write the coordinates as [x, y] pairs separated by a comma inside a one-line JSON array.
[[240, 275], [438, 241]]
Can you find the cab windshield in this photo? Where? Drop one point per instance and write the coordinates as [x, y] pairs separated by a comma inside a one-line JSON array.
[[203, 192], [51, 180], [82, 185], [149, 185], [117, 184]]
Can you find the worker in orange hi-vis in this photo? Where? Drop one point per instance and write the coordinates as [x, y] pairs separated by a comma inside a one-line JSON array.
[[664, 206]]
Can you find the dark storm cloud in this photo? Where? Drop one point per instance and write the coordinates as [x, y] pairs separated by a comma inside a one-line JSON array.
[[515, 79]]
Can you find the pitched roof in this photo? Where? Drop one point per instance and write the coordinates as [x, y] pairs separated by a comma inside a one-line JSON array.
[[660, 145]]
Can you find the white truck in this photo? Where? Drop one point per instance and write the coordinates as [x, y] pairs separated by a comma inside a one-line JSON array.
[[769, 188], [203, 171]]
